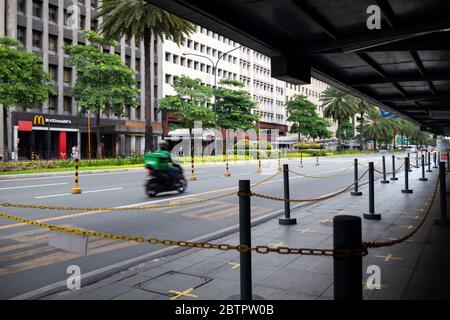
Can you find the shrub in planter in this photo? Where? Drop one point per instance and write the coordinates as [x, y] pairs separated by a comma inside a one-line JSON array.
[[302, 145]]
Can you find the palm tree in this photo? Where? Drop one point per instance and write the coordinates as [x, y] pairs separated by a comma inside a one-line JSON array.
[[363, 108], [406, 129], [379, 128], [395, 125], [338, 106], [142, 20]]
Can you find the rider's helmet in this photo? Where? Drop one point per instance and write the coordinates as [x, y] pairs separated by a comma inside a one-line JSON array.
[[164, 145]]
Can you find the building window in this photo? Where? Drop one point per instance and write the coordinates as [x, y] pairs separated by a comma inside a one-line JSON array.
[[138, 65], [67, 43], [53, 43], [94, 26], [67, 104], [53, 14], [67, 75], [128, 61], [22, 35], [37, 9], [175, 59], [21, 7], [53, 72], [168, 57], [52, 102], [94, 3], [168, 78], [37, 39]]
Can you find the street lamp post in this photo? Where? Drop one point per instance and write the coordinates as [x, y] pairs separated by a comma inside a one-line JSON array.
[[214, 69]]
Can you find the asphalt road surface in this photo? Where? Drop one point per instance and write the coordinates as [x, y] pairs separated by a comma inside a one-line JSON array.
[[28, 263]]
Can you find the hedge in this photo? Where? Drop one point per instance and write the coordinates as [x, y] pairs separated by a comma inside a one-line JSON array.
[[302, 145]]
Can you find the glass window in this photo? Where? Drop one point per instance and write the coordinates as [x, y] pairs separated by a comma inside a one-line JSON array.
[[53, 13], [37, 39], [67, 75], [53, 72], [67, 104], [22, 35], [53, 43], [94, 26], [37, 8], [21, 7], [52, 102]]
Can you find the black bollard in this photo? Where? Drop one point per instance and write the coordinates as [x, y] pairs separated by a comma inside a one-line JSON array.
[[355, 192], [434, 160], [384, 171], [287, 220], [443, 221], [371, 215], [409, 161], [417, 159], [407, 170], [245, 239], [393, 178], [423, 170], [347, 271]]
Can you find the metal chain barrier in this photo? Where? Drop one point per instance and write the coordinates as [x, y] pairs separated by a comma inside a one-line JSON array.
[[328, 196], [380, 244], [189, 244], [147, 207], [322, 177]]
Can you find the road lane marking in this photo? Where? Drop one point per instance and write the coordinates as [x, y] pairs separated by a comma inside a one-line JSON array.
[[76, 215], [68, 194], [35, 186]]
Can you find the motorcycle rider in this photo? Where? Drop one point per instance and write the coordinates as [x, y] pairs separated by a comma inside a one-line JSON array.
[[164, 154]]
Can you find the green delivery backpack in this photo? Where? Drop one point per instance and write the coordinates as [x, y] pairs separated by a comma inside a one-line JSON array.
[[157, 160]]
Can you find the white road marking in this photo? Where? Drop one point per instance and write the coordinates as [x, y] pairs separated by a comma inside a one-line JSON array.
[[67, 194], [35, 186]]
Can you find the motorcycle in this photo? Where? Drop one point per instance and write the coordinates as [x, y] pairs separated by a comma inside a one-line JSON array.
[[158, 181]]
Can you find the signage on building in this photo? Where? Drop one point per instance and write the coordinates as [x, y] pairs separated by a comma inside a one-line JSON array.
[[39, 120]]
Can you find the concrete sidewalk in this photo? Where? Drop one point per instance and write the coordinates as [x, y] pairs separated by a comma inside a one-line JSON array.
[[414, 269]]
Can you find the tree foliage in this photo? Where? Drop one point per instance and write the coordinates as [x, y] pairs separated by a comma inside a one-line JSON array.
[[143, 21], [189, 103], [233, 106], [103, 83], [23, 82]]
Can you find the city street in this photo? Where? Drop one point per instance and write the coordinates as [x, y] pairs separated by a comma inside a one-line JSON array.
[[28, 263]]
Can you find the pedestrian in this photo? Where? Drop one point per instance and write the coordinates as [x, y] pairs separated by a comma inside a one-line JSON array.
[[74, 154]]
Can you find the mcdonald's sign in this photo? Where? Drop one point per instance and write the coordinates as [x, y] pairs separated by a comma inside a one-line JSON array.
[[38, 120]]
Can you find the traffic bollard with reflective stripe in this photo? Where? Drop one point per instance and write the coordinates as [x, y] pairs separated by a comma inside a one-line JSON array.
[[443, 221], [429, 163], [384, 170], [347, 271], [423, 170], [355, 192], [301, 160], [76, 189], [245, 239], [287, 220], [393, 178], [371, 215], [407, 170]]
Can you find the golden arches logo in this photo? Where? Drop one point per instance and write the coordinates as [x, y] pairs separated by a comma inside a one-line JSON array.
[[38, 120]]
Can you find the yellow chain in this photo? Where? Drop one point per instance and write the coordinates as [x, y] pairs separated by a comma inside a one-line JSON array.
[[146, 207], [181, 243], [328, 196], [380, 244], [321, 177]]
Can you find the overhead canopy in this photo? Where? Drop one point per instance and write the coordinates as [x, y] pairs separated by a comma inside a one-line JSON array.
[[403, 67]]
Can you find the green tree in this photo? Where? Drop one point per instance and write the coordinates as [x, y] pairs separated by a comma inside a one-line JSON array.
[[339, 106], [103, 83], [23, 82], [143, 21], [302, 113], [320, 129], [363, 108], [234, 106], [378, 128], [189, 104]]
